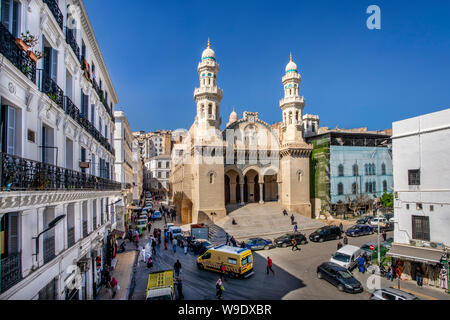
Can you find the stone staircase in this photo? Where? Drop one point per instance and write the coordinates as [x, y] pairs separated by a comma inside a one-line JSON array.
[[261, 220]]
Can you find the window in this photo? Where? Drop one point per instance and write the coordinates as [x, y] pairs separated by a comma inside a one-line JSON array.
[[50, 62], [341, 170], [355, 170], [211, 178], [421, 228], [354, 188], [159, 164], [431, 208], [419, 206], [340, 188], [407, 206], [232, 261], [414, 177], [49, 292], [246, 260], [374, 187], [383, 169], [8, 124], [384, 186], [366, 169], [10, 13], [9, 228], [374, 169]]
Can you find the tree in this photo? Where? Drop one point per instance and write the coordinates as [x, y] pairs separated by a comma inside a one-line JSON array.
[[387, 200]]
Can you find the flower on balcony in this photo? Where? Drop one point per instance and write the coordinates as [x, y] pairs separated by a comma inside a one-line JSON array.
[[52, 97]]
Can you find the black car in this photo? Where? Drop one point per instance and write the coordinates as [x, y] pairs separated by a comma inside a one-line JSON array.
[[388, 226], [200, 246], [339, 277], [285, 240], [359, 230], [364, 220], [326, 233]]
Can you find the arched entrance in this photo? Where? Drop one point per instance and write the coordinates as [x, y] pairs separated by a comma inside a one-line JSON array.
[[251, 186], [232, 187], [227, 189]]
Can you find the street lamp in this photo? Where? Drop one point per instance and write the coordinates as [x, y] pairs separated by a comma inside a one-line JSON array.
[[51, 225]]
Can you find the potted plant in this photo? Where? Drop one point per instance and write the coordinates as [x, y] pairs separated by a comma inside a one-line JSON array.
[[21, 44], [52, 97]]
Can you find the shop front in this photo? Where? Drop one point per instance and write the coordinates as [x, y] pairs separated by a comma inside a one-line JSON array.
[[98, 258], [428, 263]]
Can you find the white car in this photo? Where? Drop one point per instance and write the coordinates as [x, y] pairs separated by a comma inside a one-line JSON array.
[[377, 220], [347, 256]]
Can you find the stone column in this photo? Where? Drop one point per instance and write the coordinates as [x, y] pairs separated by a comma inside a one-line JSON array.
[[232, 193], [241, 189], [279, 191], [261, 186]]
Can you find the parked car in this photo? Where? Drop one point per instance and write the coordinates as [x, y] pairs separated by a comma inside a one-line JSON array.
[[347, 256], [258, 244], [375, 221], [364, 220], [388, 216], [200, 246], [359, 230], [392, 294], [388, 226], [339, 277], [388, 243], [366, 247], [285, 240], [326, 233]]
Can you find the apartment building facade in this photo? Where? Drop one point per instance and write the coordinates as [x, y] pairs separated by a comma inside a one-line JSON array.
[[58, 194]]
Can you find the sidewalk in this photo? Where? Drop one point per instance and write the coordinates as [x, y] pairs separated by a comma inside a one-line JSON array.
[[122, 272], [423, 293]]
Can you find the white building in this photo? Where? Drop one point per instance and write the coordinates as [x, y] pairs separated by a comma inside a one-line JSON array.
[[156, 174], [138, 173], [421, 161], [56, 156]]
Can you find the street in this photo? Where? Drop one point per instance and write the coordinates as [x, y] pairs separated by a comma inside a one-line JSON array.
[[295, 274]]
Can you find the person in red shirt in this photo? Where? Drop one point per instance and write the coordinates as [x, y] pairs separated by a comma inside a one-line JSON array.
[[269, 266]]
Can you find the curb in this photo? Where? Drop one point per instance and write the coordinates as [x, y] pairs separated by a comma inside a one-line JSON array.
[[132, 281]]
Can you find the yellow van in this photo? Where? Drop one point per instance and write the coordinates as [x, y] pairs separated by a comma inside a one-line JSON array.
[[238, 262]]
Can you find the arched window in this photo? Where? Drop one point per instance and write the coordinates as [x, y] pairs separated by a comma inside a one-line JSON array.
[[383, 169], [210, 109], [296, 116], [341, 170], [384, 186], [340, 187], [374, 187], [367, 187], [355, 170], [290, 117], [211, 177], [366, 169], [374, 171], [354, 188]]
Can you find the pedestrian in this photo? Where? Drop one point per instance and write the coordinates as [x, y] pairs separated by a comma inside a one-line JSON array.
[[294, 244], [444, 278], [114, 286], [233, 241], [177, 268], [390, 273], [419, 276], [285, 213], [398, 272], [219, 289], [179, 288], [361, 266], [341, 227], [339, 245], [222, 272], [384, 235], [165, 243], [143, 255], [174, 245], [149, 226], [149, 262], [295, 228], [269, 266], [345, 240], [153, 245], [292, 219], [185, 245]]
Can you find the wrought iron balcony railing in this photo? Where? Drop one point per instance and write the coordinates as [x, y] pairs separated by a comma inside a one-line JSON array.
[[72, 42], [11, 271], [70, 237], [48, 85], [23, 174], [16, 56], [54, 8], [49, 249]]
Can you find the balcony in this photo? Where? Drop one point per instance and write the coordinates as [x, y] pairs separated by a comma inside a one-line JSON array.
[[49, 249], [48, 85], [72, 42], [23, 174], [70, 237], [16, 56], [11, 271], [54, 8]]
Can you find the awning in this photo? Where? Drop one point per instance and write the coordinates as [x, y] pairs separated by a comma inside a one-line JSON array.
[[416, 254]]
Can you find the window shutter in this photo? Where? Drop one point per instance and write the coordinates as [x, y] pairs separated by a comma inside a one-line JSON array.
[[11, 131], [6, 8], [47, 60], [54, 66], [15, 19], [13, 233]]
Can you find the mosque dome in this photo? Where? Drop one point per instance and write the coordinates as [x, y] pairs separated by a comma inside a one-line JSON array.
[[233, 117], [208, 53], [291, 66]]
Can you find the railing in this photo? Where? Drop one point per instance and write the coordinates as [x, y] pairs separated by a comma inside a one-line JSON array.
[[23, 174], [49, 249], [11, 271], [54, 8], [48, 85], [16, 56], [85, 229], [72, 42], [70, 237]]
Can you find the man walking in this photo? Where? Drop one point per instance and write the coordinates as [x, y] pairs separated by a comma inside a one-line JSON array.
[[295, 245], [174, 245], [292, 219], [269, 266], [339, 245], [341, 227], [383, 233], [222, 272], [179, 285], [345, 240], [219, 289], [295, 228], [177, 268], [285, 213]]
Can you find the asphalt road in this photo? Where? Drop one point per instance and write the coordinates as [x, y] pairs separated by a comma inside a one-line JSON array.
[[295, 274]]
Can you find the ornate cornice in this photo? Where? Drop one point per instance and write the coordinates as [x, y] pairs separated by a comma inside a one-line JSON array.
[[296, 150]]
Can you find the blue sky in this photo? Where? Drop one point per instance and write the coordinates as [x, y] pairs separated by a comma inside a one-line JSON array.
[[351, 76]]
